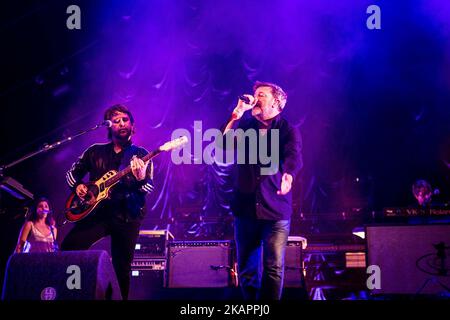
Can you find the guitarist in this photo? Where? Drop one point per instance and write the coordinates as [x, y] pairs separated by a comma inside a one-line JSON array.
[[121, 215]]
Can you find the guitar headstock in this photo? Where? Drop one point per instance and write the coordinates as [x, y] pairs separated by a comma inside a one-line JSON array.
[[174, 144]]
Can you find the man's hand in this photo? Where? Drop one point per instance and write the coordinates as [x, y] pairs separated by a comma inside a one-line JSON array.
[[286, 184], [241, 107], [138, 168], [81, 191]]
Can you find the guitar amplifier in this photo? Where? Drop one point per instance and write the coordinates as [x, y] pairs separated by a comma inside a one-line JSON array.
[[147, 279], [152, 244], [148, 264], [201, 264]]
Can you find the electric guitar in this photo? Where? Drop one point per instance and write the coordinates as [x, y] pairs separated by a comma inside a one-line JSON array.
[[77, 208]]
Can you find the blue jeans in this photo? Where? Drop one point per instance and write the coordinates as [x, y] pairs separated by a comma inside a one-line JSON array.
[[261, 247]]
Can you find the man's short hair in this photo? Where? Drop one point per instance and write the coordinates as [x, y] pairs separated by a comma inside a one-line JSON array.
[[277, 92], [111, 111]]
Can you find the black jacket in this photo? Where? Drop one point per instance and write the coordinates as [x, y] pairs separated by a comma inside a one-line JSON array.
[[128, 196], [256, 194]]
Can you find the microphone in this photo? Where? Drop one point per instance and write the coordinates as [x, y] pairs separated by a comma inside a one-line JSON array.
[[106, 123], [238, 112], [245, 99], [217, 267]]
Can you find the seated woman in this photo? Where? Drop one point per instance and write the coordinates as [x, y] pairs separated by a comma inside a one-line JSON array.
[[38, 234]]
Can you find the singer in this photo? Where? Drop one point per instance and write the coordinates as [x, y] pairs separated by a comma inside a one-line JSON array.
[[38, 234], [122, 214], [262, 204]]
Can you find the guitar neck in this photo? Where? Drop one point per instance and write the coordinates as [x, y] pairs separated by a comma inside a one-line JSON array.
[[127, 170]]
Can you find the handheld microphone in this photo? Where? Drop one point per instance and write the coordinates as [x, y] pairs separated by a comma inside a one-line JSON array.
[[238, 112], [245, 99]]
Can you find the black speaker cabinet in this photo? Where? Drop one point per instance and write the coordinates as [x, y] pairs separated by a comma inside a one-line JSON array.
[[200, 264], [293, 265], [412, 259], [69, 275]]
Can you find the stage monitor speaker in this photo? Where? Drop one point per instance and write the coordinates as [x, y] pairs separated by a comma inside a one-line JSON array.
[[412, 259], [200, 264], [68, 275]]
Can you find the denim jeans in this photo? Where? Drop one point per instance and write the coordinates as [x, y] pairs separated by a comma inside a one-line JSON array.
[[261, 247]]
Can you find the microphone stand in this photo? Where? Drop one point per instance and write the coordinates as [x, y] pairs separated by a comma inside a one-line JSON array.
[[46, 147], [55, 244], [14, 187]]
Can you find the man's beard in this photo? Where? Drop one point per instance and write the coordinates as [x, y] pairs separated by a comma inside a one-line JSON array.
[[121, 136], [257, 110]]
